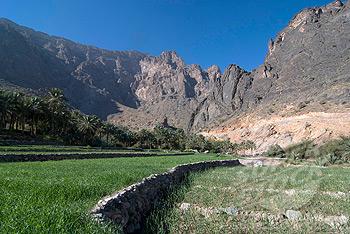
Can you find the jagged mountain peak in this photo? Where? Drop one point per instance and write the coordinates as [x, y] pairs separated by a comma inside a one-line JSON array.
[[214, 72], [312, 18], [235, 67], [172, 58], [335, 4], [171, 54]]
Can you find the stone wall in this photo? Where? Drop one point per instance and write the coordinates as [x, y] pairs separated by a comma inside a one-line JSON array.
[[130, 207], [66, 156]]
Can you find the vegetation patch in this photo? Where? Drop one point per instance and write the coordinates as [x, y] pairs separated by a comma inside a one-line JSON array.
[[331, 153], [59, 148], [26, 118], [130, 207], [39, 197], [264, 200]]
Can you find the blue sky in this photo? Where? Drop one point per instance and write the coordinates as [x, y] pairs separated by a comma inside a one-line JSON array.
[[202, 31]]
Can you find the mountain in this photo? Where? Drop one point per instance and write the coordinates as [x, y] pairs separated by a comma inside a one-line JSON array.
[[134, 88], [93, 79], [301, 91], [167, 87]]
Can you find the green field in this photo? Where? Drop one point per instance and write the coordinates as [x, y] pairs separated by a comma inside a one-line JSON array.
[[262, 200], [56, 196], [83, 150], [59, 149], [43, 148]]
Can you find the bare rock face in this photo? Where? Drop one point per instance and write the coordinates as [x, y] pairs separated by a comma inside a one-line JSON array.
[[141, 88], [214, 72], [306, 71], [283, 130], [224, 98], [167, 86], [94, 80], [309, 59], [307, 64], [167, 76]]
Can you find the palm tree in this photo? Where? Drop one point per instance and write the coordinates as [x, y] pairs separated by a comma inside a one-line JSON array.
[[57, 108], [146, 138], [4, 111], [88, 126], [55, 97], [108, 129], [34, 112], [15, 102]]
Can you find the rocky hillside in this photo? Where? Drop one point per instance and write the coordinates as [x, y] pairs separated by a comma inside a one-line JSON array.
[[302, 91], [136, 89], [93, 79], [306, 70]]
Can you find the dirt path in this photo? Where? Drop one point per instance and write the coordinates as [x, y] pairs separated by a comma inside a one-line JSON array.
[[261, 161]]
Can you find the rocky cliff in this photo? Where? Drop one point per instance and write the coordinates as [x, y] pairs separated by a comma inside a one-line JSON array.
[[94, 80], [166, 86], [135, 89], [302, 89]]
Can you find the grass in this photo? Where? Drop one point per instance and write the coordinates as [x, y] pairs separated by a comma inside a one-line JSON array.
[[262, 196], [92, 152], [56, 196], [53, 148]]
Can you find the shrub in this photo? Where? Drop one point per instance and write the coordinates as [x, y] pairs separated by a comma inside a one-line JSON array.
[[276, 151], [329, 159], [330, 153], [303, 150], [334, 152]]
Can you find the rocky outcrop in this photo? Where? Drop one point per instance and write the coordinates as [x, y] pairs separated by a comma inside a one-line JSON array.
[[308, 62], [166, 86], [141, 88], [130, 207], [224, 98], [167, 77]]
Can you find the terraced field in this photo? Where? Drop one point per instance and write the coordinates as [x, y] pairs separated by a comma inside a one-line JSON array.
[[48, 149], [27, 153], [56, 196], [262, 200]]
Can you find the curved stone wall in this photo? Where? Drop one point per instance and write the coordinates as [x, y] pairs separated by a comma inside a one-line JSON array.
[[130, 207]]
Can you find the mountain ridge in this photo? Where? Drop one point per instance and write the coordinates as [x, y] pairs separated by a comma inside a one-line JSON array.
[[99, 81], [306, 69]]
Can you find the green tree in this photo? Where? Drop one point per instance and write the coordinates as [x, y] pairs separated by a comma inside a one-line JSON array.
[[146, 138], [88, 126], [57, 109], [109, 130]]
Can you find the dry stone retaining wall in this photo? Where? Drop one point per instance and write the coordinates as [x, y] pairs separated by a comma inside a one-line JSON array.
[[130, 207]]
